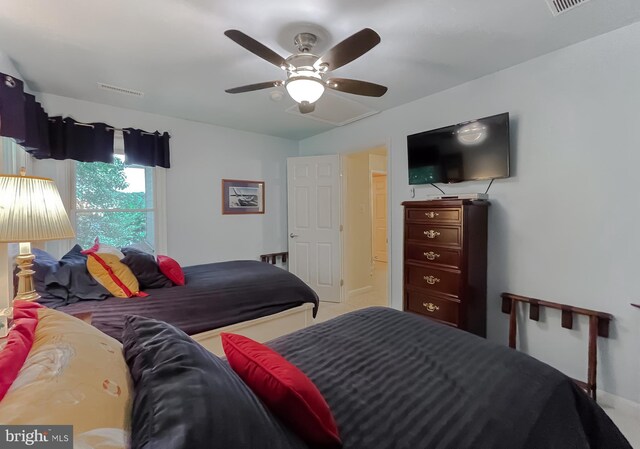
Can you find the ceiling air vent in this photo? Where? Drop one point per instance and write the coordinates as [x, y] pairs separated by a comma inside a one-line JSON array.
[[336, 110], [561, 6], [121, 90]]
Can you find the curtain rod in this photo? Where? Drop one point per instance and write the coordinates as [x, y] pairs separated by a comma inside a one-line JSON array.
[[108, 128]]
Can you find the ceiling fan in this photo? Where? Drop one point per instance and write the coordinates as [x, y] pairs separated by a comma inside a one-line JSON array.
[[307, 74]]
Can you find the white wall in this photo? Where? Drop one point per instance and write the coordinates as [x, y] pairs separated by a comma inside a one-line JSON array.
[[565, 226], [357, 239], [7, 66], [378, 162], [201, 156], [358, 226]]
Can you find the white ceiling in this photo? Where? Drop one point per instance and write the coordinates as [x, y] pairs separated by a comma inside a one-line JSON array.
[[175, 51]]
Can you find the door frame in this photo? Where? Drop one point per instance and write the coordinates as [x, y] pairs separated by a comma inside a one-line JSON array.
[[343, 227], [372, 173], [343, 214], [343, 211]]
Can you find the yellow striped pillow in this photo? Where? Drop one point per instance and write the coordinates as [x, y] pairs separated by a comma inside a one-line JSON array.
[[113, 275]]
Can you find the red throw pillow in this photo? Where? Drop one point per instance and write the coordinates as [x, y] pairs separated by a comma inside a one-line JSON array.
[[284, 389], [19, 342], [171, 269]]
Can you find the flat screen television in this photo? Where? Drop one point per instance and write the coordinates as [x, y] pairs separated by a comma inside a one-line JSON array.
[[469, 151]]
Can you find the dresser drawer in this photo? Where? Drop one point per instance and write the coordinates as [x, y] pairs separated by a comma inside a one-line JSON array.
[[436, 214], [434, 279], [442, 235], [434, 254], [438, 308]]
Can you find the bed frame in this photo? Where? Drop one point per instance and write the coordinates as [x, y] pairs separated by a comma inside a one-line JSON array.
[[261, 329]]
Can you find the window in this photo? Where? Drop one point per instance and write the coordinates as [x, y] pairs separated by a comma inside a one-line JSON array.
[[115, 202]]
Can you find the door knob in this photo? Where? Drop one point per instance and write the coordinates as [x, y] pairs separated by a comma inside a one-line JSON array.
[[293, 236]]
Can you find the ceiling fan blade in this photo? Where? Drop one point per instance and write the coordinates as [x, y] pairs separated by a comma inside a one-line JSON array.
[[255, 47], [349, 49], [356, 87], [252, 87], [305, 107]]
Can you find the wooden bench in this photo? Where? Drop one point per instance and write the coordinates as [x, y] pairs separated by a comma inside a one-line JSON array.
[[274, 257], [598, 327]]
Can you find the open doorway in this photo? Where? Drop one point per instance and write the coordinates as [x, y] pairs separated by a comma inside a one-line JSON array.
[[366, 239]]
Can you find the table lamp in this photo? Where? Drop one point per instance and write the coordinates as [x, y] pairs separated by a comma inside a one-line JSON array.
[[30, 210]]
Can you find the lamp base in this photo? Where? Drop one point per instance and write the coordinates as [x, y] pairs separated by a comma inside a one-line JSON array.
[[26, 290]]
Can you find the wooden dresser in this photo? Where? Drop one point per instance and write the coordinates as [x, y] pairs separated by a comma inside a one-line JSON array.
[[445, 262]]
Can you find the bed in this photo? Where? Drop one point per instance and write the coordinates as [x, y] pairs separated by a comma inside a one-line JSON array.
[[392, 381], [254, 298], [397, 380]]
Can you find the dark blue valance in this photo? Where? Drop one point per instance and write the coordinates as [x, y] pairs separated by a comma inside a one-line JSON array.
[[24, 119], [36, 140], [143, 148], [12, 108], [85, 142]]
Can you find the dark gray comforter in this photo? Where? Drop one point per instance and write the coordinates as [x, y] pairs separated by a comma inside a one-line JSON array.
[[396, 380], [215, 295]]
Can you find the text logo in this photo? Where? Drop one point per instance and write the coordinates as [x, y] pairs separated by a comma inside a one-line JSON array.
[[36, 437]]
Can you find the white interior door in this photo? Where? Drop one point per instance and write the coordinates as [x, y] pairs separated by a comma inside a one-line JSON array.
[[314, 192], [379, 215]]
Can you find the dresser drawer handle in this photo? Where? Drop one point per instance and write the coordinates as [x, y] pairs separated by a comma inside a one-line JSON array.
[[431, 307], [431, 279], [431, 214], [431, 255], [431, 234]]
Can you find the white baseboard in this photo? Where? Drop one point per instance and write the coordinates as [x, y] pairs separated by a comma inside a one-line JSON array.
[[618, 403], [359, 291]]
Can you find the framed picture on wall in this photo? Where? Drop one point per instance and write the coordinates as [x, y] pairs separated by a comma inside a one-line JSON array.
[[242, 197]]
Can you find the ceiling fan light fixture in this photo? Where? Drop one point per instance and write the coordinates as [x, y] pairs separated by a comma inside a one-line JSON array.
[[305, 86], [306, 72]]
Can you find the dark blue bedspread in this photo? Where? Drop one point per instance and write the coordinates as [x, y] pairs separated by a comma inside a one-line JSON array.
[[399, 381], [215, 295]]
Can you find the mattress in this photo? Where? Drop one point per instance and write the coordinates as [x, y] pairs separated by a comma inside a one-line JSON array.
[[215, 295], [397, 380]]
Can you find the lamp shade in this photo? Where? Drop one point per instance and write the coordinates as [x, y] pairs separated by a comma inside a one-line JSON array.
[[305, 86], [31, 209]]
